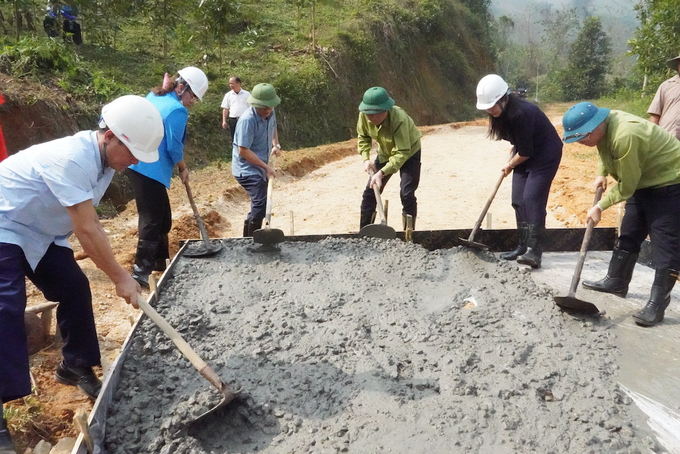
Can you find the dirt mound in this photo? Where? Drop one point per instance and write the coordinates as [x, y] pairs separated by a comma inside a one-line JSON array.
[[34, 113]]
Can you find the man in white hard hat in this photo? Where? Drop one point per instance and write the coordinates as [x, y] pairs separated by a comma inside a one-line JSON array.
[[644, 159], [665, 107], [49, 191]]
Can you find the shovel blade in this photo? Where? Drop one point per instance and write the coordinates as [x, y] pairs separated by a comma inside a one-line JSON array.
[[378, 231], [194, 426], [268, 236], [472, 244], [203, 249], [573, 304]]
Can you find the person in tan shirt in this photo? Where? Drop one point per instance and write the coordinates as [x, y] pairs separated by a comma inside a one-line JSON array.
[[665, 108]]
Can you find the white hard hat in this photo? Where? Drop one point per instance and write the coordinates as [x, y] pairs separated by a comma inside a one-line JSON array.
[[197, 80], [490, 89], [137, 123]]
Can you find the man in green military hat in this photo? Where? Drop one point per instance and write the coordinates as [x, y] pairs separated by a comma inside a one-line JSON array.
[[255, 139], [399, 151]]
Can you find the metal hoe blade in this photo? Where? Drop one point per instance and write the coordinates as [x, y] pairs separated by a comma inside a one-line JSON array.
[[267, 235], [206, 371], [203, 249], [381, 230], [209, 248], [469, 242], [570, 302], [378, 231]]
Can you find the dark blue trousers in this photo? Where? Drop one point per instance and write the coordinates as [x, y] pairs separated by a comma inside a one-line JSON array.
[[60, 279], [654, 212], [530, 191], [256, 187], [409, 175]]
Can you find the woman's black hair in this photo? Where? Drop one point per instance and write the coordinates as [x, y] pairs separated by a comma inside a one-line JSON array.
[[162, 91], [499, 127]]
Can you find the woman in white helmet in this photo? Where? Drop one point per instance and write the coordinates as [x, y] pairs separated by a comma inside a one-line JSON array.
[[150, 181], [535, 158], [49, 191]]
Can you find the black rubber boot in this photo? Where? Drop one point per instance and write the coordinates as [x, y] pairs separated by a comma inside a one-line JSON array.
[[367, 217], [534, 253], [255, 224], [618, 276], [162, 254], [522, 233], [6, 443], [83, 378], [404, 222], [246, 228], [659, 299], [145, 261]]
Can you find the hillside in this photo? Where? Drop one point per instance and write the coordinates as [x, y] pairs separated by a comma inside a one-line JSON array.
[[321, 57]]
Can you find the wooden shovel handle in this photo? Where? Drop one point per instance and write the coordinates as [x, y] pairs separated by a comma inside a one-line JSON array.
[[486, 209], [172, 333], [584, 247], [199, 221], [270, 190], [268, 212], [378, 199]]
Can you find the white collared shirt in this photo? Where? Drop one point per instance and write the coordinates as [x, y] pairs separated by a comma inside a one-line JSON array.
[[237, 103], [38, 183]]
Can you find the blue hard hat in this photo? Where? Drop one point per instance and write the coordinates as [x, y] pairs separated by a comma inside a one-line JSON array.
[[582, 119]]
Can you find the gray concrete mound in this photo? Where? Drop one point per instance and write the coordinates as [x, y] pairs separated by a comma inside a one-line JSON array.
[[365, 345]]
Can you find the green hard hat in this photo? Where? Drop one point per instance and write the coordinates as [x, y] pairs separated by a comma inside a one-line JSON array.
[[376, 100], [264, 95]]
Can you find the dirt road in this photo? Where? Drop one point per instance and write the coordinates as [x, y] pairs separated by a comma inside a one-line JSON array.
[[460, 167]]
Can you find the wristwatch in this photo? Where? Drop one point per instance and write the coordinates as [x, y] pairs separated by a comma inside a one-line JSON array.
[[278, 145]]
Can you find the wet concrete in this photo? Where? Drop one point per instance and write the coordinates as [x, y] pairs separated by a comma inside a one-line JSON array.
[[648, 358], [373, 346]]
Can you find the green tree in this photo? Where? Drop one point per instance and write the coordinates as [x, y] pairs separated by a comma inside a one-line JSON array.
[[589, 62], [657, 38], [559, 29], [214, 19], [164, 16]]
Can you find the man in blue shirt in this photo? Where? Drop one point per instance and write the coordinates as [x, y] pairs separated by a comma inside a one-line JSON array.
[[256, 138], [47, 192]]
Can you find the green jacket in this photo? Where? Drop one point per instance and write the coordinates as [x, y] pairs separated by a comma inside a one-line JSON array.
[[398, 137], [637, 154]]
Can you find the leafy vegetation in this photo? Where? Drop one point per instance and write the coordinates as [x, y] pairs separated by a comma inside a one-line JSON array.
[[589, 62], [321, 55]]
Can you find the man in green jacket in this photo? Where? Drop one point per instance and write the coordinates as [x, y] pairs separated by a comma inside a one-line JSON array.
[[644, 159], [399, 142]]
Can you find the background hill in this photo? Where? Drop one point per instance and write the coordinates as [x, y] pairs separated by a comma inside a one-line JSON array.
[[320, 55]]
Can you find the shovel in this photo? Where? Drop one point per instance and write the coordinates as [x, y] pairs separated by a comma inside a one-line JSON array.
[[268, 236], [570, 302], [206, 371], [208, 248], [381, 230], [469, 242]]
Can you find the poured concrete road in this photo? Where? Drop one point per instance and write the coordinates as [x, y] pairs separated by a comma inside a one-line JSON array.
[[650, 357]]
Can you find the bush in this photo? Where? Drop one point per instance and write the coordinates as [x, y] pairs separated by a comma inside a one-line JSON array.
[[37, 57]]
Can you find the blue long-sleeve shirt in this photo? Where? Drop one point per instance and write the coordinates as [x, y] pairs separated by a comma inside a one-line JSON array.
[[171, 149]]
